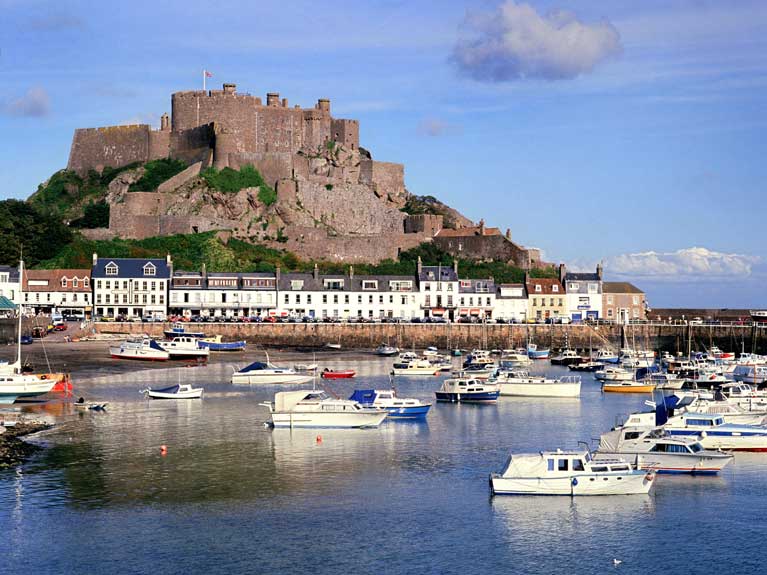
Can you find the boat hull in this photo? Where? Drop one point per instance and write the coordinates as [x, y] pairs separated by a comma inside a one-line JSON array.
[[318, 419], [415, 412], [223, 345], [610, 387], [477, 397], [416, 371], [553, 389], [9, 393], [141, 355], [538, 354], [281, 379], [631, 483], [337, 374], [719, 440], [196, 394], [673, 462]]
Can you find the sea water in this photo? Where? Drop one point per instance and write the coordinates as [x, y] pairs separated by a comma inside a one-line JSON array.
[[233, 496]]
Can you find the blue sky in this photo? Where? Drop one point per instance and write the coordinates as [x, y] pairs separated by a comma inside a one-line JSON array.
[[623, 131]]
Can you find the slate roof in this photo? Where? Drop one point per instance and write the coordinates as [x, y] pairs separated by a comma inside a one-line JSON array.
[[546, 284], [510, 286], [488, 283], [13, 273], [582, 277], [131, 268], [353, 284], [437, 273], [620, 287]]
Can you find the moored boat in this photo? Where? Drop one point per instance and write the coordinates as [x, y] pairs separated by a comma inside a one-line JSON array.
[[404, 408], [215, 343], [586, 366], [415, 367], [534, 353], [184, 346], [522, 384], [614, 374], [337, 373], [310, 408], [462, 390], [568, 473], [179, 329], [260, 372], [385, 350], [144, 348], [179, 391], [656, 450], [567, 357], [628, 387]]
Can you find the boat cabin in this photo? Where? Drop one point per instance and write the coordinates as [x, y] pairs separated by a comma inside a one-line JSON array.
[[464, 386], [560, 463]]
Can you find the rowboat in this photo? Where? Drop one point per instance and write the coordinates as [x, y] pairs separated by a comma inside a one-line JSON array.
[[337, 373], [180, 391]]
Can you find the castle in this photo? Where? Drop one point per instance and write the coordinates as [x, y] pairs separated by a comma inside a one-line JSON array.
[[333, 200]]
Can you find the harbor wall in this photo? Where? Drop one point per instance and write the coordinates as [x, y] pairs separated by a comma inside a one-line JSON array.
[[672, 338]]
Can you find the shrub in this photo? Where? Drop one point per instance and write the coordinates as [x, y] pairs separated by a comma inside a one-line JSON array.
[[156, 172], [232, 181], [95, 215]]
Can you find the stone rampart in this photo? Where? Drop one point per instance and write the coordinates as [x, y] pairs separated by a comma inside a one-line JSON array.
[[115, 146], [468, 336], [485, 247], [181, 178]]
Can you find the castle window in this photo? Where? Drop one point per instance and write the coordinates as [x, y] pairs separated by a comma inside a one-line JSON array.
[[150, 269], [111, 269]]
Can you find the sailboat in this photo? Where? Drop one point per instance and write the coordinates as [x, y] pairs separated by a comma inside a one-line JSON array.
[[13, 383]]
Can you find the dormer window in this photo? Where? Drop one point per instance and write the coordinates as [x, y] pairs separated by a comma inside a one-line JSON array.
[[369, 285], [574, 286], [111, 269], [75, 282], [150, 269], [63, 282], [538, 288], [555, 289], [86, 281]]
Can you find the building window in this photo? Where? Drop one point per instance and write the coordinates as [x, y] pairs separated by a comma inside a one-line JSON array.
[[370, 299], [609, 312], [369, 285], [150, 269], [334, 284], [636, 313], [487, 302], [143, 299], [593, 288], [86, 281], [359, 298], [64, 282], [153, 299], [449, 301], [111, 269], [162, 299], [125, 298], [403, 300], [308, 298], [538, 288], [636, 300], [298, 298], [98, 284], [555, 289], [427, 300], [610, 299], [154, 286], [108, 284], [574, 286], [287, 298], [335, 300], [324, 298], [106, 298], [296, 284]]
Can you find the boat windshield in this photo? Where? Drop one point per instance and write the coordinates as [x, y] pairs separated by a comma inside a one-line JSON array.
[[695, 447]]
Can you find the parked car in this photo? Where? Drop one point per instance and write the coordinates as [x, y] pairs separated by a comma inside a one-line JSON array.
[[60, 327]]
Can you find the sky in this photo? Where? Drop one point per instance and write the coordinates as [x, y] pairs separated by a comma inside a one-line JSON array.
[[631, 133]]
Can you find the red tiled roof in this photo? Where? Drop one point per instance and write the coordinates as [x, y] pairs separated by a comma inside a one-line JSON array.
[[547, 285], [54, 278]]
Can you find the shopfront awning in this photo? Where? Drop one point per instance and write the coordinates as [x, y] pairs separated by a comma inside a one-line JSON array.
[[463, 311], [438, 311], [474, 311]]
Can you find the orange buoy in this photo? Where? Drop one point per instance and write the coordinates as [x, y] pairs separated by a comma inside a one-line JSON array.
[[163, 449], [319, 439]]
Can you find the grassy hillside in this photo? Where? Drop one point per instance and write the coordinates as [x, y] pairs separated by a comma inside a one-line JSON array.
[[191, 251]]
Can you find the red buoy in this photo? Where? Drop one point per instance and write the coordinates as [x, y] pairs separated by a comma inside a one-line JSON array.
[[163, 449], [319, 439]]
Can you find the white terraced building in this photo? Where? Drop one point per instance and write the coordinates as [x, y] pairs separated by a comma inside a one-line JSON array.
[[347, 296], [222, 294], [130, 287]]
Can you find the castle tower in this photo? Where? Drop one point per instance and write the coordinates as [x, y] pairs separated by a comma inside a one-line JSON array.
[[165, 122]]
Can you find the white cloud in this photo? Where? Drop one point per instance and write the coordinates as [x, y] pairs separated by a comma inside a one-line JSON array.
[[35, 103], [515, 43], [682, 265], [436, 127]]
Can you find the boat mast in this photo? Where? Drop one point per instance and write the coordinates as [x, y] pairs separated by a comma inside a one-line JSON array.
[[18, 312]]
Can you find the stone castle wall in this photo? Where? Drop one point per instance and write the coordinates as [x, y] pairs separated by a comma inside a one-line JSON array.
[[115, 146], [496, 248]]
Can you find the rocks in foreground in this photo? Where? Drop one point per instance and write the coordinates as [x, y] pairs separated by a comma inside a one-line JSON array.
[[13, 449]]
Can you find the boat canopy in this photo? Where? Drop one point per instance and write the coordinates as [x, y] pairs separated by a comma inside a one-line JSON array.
[[287, 400], [154, 345], [256, 366], [363, 395], [171, 389]]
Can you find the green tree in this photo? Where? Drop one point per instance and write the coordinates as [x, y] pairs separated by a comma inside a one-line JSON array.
[[25, 228]]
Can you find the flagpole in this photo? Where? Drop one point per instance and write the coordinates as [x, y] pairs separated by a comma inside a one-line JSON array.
[[203, 80]]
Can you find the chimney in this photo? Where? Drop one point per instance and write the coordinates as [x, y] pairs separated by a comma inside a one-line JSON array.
[[316, 272], [95, 259], [482, 227], [599, 270], [455, 266], [527, 277], [419, 266], [351, 272], [272, 99], [277, 275], [562, 272], [508, 234], [204, 271]]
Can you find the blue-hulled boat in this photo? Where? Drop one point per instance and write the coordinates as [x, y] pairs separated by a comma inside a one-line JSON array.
[[534, 353], [215, 344], [460, 390], [179, 329], [404, 408]]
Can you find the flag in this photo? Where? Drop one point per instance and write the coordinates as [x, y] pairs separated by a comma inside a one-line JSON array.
[[208, 74]]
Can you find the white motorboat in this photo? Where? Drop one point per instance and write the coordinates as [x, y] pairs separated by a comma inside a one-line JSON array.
[[180, 391], [430, 351], [399, 407], [310, 408], [614, 374], [732, 412], [415, 367], [306, 367], [407, 356], [385, 350], [663, 380], [754, 373], [656, 450], [512, 359], [260, 372], [465, 390], [144, 348], [184, 346], [606, 356], [569, 473], [522, 384]]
